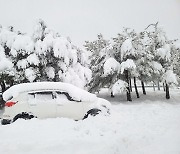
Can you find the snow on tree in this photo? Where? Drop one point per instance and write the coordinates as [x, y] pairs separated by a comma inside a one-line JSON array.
[[170, 77], [39, 30], [46, 56], [100, 50], [149, 52], [127, 49], [5, 63], [127, 65], [125, 52], [126, 68], [111, 66], [6, 38], [162, 50], [6, 66], [175, 48], [59, 59]]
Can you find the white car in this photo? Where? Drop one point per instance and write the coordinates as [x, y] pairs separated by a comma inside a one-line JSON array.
[[50, 100]]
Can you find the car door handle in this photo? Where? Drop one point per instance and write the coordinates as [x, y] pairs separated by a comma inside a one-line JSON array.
[[33, 104], [60, 104]]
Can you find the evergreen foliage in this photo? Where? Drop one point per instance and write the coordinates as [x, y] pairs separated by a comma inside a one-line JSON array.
[[148, 56]]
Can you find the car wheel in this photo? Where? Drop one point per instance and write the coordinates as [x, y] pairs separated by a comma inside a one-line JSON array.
[[23, 115], [5, 121], [92, 112]]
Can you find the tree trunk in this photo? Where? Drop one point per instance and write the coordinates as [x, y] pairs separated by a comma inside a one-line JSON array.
[[11, 83], [3, 86], [154, 87], [130, 84], [158, 85], [112, 95], [167, 92], [164, 88], [135, 86], [128, 89], [143, 88]]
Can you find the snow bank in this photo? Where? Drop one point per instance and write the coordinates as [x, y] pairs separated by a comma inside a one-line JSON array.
[[75, 92], [141, 127]]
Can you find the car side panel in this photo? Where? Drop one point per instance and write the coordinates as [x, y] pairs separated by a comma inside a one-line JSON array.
[[69, 109], [19, 107], [42, 107], [87, 106]]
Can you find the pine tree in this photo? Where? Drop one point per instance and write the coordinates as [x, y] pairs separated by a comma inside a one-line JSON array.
[[46, 56], [162, 50], [99, 54]]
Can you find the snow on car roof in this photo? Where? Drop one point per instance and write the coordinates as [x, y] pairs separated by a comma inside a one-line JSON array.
[[75, 92]]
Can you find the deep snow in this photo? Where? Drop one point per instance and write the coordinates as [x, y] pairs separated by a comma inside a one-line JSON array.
[[149, 125]]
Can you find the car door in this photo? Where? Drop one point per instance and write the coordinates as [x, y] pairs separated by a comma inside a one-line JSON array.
[[67, 107], [42, 104]]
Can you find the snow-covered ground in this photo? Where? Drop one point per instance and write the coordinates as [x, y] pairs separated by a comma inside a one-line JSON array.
[[149, 125]]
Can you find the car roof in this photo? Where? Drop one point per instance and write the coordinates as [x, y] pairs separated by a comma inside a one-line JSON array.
[[75, 92]]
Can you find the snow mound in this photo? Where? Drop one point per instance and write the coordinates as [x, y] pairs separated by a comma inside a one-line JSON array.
[[75, 92], [142, 127], [119, 87]]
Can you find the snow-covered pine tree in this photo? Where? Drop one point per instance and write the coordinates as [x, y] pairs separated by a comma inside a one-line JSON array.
[[59, 59], [99, 53], [6, 70], [175, 48], [145, 57], [7, 37], [46, 56], [163, 55], [125, 53]]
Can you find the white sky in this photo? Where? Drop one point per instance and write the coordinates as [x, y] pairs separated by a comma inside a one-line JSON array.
[[83, 19]]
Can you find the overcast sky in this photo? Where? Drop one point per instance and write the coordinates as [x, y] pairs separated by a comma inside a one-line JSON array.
[[83, 19]]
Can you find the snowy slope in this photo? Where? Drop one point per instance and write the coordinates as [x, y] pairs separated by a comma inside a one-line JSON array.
[[149, 125]]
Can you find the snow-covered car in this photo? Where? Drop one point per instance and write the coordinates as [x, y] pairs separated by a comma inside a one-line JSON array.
[[50, 100]]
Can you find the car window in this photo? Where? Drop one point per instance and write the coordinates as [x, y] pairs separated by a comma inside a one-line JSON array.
[[49, 95], [41, 96], [31, 95], [65, 95], [45, 96], [61, 96]]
